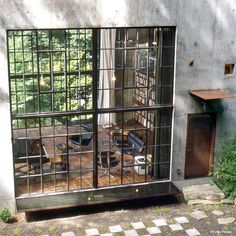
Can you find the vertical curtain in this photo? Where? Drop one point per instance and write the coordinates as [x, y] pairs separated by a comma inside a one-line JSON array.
[[106, 96]]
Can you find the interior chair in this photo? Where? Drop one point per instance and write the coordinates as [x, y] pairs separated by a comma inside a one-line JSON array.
[[133, 145], [81, 139], [32, 152], [107, 160]]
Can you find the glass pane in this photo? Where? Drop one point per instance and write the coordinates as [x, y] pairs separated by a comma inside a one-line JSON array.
[[108, 156], [131, 37], [58, 64], [86, 181], [61, 182], [143, 37], [130, 56], [120, 38], [35, 185], [49, 183], [46, 102], [168, 56], [135, 97], [168, 37], [142, 60], [21, 186]]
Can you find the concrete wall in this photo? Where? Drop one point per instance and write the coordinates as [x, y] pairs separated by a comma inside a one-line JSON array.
[[205, 33]]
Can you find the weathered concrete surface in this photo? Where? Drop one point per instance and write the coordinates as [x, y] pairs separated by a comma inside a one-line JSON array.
[[203, 191], [226, 220], [201, 201], [218, 213], [198, 215], [227, 201], [205, 33]]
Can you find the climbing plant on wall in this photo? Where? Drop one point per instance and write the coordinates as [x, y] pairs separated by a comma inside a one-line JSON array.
[[224, 174]]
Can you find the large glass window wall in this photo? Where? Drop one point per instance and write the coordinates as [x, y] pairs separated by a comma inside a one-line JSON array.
[[90, 108]]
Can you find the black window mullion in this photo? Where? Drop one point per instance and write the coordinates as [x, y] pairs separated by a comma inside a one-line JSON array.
[[23, 70], [50, 51], [16, 96], [26, 148], [95, 42], [38, 72], [14, 37], [41, 156], [65, 68], [32, 55], [122, 150], [159, 92], [54, 157]]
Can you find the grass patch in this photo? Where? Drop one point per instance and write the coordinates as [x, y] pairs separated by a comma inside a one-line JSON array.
[[155, 211], [149, 224], [17, 231], [165, 210], [52, 228], [38, 231]]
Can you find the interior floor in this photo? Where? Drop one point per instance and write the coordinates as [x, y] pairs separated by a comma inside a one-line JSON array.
[[60, 173]]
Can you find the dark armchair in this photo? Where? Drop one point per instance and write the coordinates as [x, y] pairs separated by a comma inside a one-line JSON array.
[[133, 145], [82, 139]]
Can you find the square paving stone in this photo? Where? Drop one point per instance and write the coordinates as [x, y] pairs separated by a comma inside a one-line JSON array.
[[108, 234], [131, 232], [159, 222], [91, 232], [115, 229], [192, 232], [198, 215], [138, 225], [181, 220], [176, 227], [226, 220], [218, 213], [153, 230], [68, 234]]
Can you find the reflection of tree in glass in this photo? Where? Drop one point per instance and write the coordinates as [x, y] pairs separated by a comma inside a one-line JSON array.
[[50, 70]]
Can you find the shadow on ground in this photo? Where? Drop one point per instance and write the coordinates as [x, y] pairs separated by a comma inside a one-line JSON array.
[[93, 209]]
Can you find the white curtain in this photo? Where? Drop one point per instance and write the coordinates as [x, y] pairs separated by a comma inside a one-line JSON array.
[[106, 97]]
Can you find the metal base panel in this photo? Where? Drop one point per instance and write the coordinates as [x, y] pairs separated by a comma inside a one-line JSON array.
[[95, 196]]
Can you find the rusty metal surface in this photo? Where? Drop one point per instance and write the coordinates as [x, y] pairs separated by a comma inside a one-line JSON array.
[[211, 94]]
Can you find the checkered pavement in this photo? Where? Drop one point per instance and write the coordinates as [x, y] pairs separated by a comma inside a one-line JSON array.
[[140, 229]]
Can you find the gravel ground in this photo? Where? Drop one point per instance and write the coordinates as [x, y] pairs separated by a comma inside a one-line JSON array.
[[77, 220]]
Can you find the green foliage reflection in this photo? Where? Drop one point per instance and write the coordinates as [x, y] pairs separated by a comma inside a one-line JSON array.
[[50, 70]]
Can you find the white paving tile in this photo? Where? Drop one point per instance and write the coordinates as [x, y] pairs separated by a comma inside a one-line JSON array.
[[181, 220], [226, 220], [91, 232], [176, 227], [138, 225], [192, 232], [115, 229], [131, 232], [198, 215], [68, 234], [218, 213], [159, 222], [108, 234], [153, 230]]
